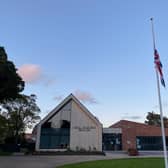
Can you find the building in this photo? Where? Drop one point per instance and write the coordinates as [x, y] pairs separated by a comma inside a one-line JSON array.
[[140, 136], [69, 126], [112, 139]]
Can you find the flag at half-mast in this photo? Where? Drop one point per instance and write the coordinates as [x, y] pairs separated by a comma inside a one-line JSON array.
[[158, 65]]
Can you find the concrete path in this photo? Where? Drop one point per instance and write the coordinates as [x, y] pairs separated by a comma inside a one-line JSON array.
[[42, 161], [54, 161]]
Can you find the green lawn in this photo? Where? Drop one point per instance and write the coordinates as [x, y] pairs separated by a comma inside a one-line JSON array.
[[121, 163]]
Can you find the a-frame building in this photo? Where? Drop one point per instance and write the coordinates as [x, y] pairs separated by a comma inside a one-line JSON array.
[[69, 126]]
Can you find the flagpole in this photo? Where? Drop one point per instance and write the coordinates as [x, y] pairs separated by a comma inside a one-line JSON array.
[[160, 103]]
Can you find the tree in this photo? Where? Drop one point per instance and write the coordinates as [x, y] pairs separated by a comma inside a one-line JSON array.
[[3, 128], [11, 84], [22, 113], [154, 119]]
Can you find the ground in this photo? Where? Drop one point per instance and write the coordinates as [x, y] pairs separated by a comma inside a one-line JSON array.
[[54, 161]]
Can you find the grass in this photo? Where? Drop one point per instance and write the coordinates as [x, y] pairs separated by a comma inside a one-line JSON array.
[[120, 163]]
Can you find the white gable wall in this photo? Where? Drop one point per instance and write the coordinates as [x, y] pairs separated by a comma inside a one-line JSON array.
[[63, 114], [85, 133]]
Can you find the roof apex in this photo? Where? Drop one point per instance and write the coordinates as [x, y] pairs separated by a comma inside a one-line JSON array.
[[66, 100]]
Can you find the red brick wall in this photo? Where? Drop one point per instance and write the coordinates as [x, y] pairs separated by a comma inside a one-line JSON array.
[[132, 129]]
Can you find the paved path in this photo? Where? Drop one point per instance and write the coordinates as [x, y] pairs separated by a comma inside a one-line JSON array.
[[42, 161], [54, 161]]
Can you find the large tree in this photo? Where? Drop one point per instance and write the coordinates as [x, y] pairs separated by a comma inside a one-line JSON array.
[[3, 128], [22, 113], [153, 118], [11, 84]]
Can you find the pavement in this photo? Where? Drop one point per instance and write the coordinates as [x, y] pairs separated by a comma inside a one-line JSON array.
[[38, 161]]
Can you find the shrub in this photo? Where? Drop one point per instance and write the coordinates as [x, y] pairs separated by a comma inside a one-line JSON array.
[[133, 152]]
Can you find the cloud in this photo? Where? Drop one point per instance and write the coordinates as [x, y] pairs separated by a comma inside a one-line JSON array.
[[30, 72], [132, 117], [85, 97]]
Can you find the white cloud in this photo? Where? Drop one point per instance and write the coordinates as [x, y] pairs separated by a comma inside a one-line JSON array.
[[85, 97], [30, 72]]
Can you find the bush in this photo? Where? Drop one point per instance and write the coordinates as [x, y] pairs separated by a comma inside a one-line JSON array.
[[133, 152]]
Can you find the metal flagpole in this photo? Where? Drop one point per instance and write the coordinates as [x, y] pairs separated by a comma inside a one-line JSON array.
[[160, 103]]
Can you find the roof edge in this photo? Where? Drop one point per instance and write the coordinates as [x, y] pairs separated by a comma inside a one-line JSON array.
[[60, 105]]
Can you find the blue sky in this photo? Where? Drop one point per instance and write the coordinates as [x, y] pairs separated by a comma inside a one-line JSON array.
[[99, 50]]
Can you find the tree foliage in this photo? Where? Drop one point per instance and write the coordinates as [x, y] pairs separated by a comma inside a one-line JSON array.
[[153, 118], [22, 113], [3, 128], [11, 84], [18, 111]]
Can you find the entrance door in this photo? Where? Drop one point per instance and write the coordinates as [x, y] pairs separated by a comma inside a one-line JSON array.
[[112, 141]]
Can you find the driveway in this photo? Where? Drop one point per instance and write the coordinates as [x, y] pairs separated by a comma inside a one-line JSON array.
[[42, 161], [54, 161]]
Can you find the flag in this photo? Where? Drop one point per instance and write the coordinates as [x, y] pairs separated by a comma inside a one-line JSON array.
[[158, 65]]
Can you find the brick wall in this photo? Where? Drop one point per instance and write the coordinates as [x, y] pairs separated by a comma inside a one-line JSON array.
[[132, 129]]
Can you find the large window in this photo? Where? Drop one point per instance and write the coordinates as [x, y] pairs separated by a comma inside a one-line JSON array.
[[112, 141], [55, 138], [149, 143]]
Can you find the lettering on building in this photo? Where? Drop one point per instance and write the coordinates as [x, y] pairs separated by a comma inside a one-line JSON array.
[[84, 128]]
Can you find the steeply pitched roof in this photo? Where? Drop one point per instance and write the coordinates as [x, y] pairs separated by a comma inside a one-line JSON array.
[[63, 103]]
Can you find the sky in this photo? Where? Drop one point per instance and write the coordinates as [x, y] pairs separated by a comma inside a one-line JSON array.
[[101, 51]]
